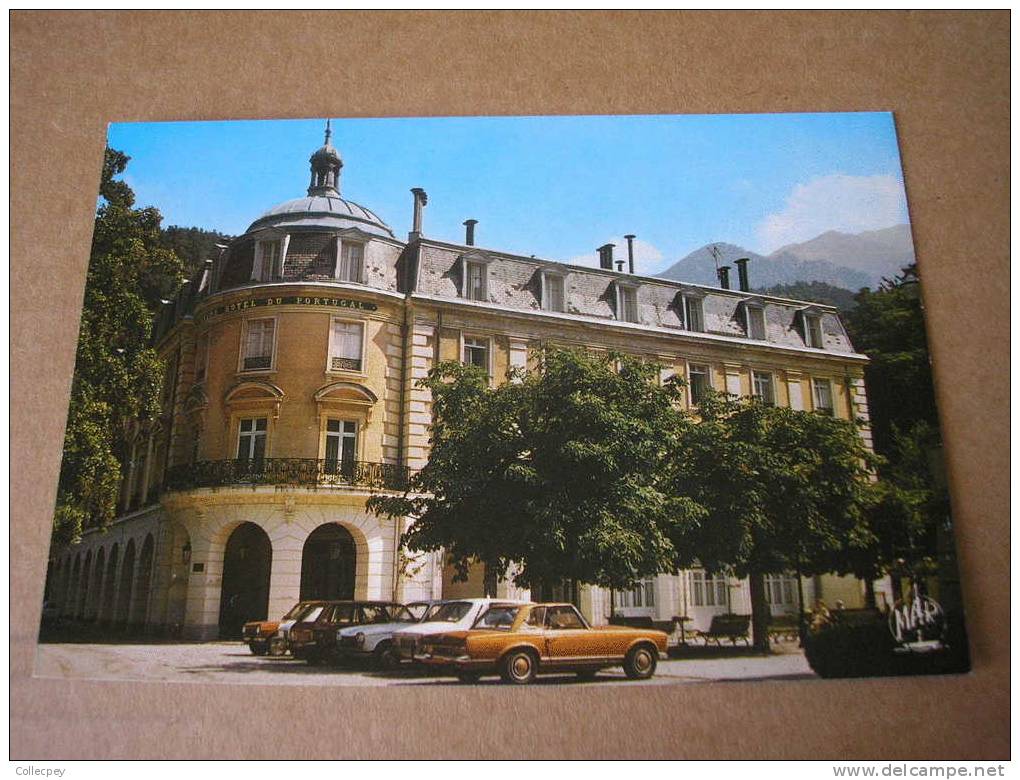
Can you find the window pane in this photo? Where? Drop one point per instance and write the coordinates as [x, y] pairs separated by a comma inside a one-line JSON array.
[[562, 618], [699, 383], [332, 448], [347, 342], [650, 593], [628, 304], [823, 395], [476, 281], [756, 322], [693, 315], [259, 446], [333, 425], [554, 293], [349, 267]]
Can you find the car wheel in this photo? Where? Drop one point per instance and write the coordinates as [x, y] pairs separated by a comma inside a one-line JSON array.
[[469, 677], [519, 667], [385, 657], [258, 648], [277, 646], [640, 662]]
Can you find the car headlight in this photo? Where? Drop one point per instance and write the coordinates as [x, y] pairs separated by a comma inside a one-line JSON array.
[[359, 639]]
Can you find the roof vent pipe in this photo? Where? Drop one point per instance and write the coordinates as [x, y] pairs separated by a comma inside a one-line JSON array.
[[742, 271], [606, 256], [469, 238], [619, 266], [420, 199], [724, 277], [630, 250]]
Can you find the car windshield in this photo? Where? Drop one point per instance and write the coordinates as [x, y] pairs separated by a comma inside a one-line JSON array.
[[450, 612], [340, 613], [374, 613], [297, 611], [499, 617], [312, 614], [412, 613]]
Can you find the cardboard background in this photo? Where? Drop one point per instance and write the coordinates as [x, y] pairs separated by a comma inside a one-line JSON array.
[[946, 77]]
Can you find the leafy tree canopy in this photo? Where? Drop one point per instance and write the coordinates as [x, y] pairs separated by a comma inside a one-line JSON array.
[[559, 473], [117, 374], [818, 292]]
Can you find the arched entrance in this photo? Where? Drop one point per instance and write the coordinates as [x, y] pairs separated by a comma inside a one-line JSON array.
[[244, 594], [127, 576], [110, 586], [328, 564], [72, 588], [143, 582]]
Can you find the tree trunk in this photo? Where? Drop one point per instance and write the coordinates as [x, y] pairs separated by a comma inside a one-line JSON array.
[[759, 613], [801, 614], [869, 592], [490, 581]]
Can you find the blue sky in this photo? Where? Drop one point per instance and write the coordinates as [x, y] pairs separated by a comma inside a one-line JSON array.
[[555, 187]]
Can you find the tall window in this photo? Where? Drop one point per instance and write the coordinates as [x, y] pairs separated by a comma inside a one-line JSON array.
[[251, 438], [475, 281], [755, 322], [351, 262], [813, 331], [763, 388], [627, 299], [780, 590], [700, 381], [201, 357], [821, 389], [258, 346], [341, 443], [694, 314], [267, 261], [553, 287], [345, 346], [708, 590], [476, 352], [641, 596]]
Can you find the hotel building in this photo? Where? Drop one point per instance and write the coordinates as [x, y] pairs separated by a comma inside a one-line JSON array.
[[290, 398]]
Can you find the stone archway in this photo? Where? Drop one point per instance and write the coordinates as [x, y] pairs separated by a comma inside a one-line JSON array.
[[109, 586], [244, 592], [328, 564], [71, 598], [127, 571], [96, 586], [81, 603], [143, 583]]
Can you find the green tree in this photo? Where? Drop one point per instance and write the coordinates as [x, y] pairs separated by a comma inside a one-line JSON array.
[[785, 491], [818, 292], [559, 474], [117, 374], [193, 245]]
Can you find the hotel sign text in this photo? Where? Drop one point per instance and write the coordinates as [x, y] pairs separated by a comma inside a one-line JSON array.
[[290, 300]]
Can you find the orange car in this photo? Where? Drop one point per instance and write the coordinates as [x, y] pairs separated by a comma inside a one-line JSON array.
[[521, 641]]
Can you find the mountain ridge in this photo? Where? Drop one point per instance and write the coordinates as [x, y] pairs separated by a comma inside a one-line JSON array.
[[847, 260]]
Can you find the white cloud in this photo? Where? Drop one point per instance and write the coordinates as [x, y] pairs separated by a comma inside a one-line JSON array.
[[850, 204], [647, 257]]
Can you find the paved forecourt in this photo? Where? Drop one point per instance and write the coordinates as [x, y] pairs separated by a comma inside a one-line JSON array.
[[231, 662]]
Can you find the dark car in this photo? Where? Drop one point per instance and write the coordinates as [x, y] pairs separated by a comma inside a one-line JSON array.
[[315, 641]]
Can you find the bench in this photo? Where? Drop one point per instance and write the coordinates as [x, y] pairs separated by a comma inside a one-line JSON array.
[[784, 627], [642, 621], [731, 627]]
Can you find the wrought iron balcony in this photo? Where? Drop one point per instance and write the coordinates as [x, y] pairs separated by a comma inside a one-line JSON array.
[[304, 472]]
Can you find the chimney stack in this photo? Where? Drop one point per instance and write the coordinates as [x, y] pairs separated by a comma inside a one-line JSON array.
[[724, 277], [630, 249], [619, 266], [420, 199], [469, 224], [742, 271], [606, 256]]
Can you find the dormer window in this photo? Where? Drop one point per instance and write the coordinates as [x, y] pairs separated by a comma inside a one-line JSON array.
[[755, 315], [269, 258], [693, 307], [626, 303], [474, 277], [350, 261], [553, 291], [813, 329]]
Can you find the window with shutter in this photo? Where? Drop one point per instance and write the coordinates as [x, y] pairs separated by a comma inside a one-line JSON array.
[[694, 314], [763, 388], [350, 264], [258, 353], [554, 289], [813, 331], [475, 281], [627, 301], [755, 322], [346, 346], [476, 352], [822, 393], [700, 383]]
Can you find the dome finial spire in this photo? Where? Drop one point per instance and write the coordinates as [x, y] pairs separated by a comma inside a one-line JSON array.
[[326, 165]]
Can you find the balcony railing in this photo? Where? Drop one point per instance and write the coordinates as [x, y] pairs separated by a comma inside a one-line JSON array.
[[304, 472]]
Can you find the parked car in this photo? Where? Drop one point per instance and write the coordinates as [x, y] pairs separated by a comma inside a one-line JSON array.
[[269, 637], [519, 642], [314, 640], [375, 641], [448, 615]]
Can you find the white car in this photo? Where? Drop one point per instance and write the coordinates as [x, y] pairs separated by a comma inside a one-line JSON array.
[[375, 640], [443, 616]]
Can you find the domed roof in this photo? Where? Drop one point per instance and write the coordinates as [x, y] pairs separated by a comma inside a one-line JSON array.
[[322, 211]]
